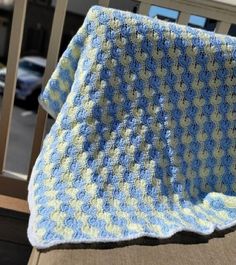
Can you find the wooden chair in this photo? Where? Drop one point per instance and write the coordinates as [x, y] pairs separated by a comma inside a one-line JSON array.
[[183, 248]]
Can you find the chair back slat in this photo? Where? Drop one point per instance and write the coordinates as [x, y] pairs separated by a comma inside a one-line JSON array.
[[105, 3], [222, 27], [214, 9], [11, 77], [52, 58], [183, 18], [144, 8]]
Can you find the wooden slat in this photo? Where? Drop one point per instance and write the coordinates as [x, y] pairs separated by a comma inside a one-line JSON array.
[[183, 18], [14, 204], [105, 3], [38, 137], [219, 10], [52, 58], [222, 27], [10, 186], [144, 8], [34, 257], [11, 77]]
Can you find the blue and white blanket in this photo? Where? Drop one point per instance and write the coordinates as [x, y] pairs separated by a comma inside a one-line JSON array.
[[144, 141]]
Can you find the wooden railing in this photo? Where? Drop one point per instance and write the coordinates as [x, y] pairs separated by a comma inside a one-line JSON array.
[[13, 192], [221, 10]]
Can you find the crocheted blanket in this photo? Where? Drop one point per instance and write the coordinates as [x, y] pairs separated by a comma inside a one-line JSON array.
[[144, 140]]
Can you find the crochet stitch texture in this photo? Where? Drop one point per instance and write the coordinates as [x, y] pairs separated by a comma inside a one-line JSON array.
[[144, 138]]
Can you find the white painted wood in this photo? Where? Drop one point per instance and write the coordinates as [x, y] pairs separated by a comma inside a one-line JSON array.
[[52, 58], [79, 7], [105, 3], [11, 77], [222, 27], [221, 10], [144, 8], [183, 18]]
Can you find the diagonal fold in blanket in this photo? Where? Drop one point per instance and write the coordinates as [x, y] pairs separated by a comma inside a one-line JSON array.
[[144, 140]]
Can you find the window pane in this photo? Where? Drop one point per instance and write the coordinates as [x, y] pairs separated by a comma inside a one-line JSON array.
[[163, 13]]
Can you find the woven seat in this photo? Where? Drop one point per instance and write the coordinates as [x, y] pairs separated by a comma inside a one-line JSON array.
[[182, 249]]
